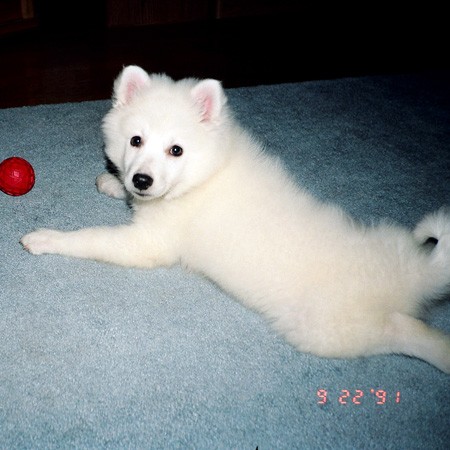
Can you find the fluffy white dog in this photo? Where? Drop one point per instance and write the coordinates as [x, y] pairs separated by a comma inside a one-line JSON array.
[[205, 195]]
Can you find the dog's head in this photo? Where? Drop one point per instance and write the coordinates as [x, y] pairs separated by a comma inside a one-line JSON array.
[[163, 136]]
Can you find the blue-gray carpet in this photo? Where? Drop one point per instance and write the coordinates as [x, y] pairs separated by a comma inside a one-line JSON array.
[[97, 356]]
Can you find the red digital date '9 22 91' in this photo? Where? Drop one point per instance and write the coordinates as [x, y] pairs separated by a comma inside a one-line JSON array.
[[380, 396]]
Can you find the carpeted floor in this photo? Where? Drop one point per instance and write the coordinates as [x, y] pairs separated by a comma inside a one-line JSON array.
[[97, 356]]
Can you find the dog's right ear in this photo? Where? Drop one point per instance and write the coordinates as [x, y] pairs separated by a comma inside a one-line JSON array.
[[130, 80]]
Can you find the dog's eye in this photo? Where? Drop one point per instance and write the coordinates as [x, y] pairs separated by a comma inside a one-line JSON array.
[[136, 141], [176, 150]]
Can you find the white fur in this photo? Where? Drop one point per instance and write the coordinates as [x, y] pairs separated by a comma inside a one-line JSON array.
[[226, 209]]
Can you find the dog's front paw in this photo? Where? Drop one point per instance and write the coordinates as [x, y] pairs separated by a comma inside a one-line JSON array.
[[110, 185], [42, 241]]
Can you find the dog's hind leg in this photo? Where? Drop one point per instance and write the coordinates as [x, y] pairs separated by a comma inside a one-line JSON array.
[[409, 336]]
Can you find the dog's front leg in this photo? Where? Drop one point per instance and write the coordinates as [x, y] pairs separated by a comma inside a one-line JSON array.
[[126, 245]]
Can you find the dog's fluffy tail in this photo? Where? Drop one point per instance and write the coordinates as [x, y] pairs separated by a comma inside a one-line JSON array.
[[435, 228]]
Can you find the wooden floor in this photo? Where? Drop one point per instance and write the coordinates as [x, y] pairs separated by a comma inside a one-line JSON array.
[[58, 65]]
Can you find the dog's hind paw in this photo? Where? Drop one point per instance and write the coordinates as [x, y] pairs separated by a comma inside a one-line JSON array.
[[110, 185]]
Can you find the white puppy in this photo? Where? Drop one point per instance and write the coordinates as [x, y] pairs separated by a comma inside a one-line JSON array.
[[206, 196]]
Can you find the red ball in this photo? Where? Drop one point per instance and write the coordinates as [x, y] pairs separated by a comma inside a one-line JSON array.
[[16, 176]]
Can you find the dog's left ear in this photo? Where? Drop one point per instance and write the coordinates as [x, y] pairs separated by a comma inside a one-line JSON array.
[[210, 97], [128, 83]]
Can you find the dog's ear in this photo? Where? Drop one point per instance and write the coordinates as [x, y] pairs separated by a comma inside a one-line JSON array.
[[130, 80], [210, 97]]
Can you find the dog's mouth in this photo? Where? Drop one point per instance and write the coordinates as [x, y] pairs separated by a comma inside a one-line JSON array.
[[146, 195], [143, 187], [142, 195]]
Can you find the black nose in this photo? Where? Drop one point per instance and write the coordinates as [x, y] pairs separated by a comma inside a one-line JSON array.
[[142, 181]]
